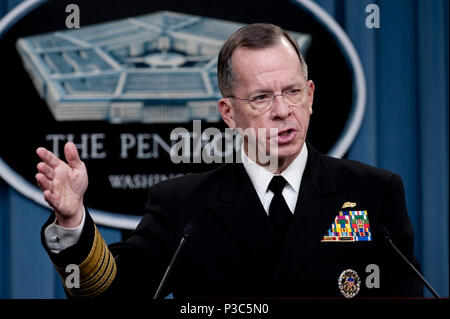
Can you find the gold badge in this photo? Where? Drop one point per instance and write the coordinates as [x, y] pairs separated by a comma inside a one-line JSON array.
[[348, 204], [349, 283]]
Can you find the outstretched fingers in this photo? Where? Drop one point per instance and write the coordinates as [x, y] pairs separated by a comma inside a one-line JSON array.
[[44, 183], [48, 157], [46, 170]]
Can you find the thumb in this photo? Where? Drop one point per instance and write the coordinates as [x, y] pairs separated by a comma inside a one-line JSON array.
[[71, 154]]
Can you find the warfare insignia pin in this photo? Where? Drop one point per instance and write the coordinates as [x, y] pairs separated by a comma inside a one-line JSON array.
[[349, 283], [348, 204]]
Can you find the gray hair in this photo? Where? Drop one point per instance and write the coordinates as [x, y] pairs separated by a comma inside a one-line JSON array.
[[257, 36]]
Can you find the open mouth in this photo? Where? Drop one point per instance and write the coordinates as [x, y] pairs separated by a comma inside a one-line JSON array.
[[285, 133], [286, 136]]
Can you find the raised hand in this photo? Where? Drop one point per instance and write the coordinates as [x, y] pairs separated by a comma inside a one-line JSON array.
[[63, 184]]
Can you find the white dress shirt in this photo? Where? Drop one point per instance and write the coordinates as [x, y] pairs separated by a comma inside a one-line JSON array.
[[261, 178]]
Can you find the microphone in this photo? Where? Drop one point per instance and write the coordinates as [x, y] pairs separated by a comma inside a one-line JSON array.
[[387, 237], [188, 231]]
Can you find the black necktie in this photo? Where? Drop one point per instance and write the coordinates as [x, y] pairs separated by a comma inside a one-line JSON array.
[[279, 212]]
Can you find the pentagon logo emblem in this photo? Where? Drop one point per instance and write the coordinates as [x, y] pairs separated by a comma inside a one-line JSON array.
[[349, 283]]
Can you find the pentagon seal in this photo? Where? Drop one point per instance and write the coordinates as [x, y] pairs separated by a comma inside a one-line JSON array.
[[349, 283]]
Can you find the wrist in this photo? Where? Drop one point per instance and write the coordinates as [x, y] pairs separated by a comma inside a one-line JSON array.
[[72, 221]]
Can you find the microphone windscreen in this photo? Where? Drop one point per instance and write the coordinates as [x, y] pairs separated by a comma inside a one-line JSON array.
[[384, 233], [189, 229]]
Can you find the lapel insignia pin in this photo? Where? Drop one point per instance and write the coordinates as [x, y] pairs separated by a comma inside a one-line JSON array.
[[348, 204], [349, 283]]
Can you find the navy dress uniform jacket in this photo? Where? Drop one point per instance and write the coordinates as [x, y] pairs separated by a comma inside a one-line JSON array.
[[235, 251]]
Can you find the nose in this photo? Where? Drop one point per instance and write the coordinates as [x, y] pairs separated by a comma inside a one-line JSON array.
[[280, 109]]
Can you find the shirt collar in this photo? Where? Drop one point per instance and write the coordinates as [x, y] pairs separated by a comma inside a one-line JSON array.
[[294, 172], [261, 177]]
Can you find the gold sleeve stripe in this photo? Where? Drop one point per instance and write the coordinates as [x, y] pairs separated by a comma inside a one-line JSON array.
[[100, 282], [97, 271], [100, 267]]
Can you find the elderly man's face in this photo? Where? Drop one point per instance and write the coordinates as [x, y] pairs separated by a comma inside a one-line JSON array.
[[270, 70]]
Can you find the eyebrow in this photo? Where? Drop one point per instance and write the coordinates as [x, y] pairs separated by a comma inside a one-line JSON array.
[[289, 87]]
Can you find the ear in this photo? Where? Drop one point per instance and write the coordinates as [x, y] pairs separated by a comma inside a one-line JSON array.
[[311, 86], [226, 109]]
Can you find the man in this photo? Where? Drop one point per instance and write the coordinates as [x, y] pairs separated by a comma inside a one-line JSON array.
[[306, 227]]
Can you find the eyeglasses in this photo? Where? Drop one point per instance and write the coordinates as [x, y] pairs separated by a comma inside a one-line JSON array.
[[262, 101]]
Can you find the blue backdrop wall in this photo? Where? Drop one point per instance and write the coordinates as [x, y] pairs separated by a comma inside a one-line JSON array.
[[405, 129]]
